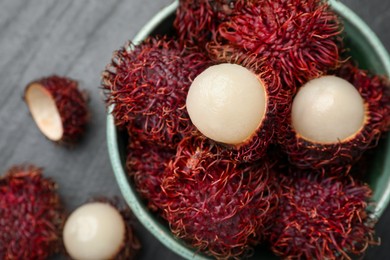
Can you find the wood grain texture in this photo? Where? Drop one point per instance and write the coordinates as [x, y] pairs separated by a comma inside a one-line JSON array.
[[76, 39]]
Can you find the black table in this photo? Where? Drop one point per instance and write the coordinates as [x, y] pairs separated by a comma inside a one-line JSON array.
[[76, 38]]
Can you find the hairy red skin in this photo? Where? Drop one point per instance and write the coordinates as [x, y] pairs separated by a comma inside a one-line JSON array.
[[197, 21], [321, 217], [148, 85], [71, 103], [215, 205], [146, 165], [31, 215], [338, 158], [300, 39]]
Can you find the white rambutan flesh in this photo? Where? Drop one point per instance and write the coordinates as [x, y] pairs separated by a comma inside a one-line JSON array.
[[328, 110], [94, 231], [44, 111], [227, 103]]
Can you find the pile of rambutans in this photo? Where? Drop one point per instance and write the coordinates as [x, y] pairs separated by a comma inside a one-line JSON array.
[[245, 126]]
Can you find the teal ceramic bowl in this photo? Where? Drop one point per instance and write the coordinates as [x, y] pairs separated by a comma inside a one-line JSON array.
[[365, 47]]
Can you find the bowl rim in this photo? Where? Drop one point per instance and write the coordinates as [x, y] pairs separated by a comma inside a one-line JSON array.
[[130, 195]]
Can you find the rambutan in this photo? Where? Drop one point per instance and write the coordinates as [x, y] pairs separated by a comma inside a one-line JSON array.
[[101, 229], [300, 39], [330, 129], [148, 85], [31, 215], [215, 205], [321, 217], [197, 21], [233, 103], [146, 165], [58, 108]]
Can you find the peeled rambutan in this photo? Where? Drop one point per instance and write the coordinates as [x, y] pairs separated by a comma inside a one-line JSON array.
[[330, 128], [58, 107], [197, 21], [101, 229], [321, 217], [148, 84], [146, 165], [233, 103], [300, 39], [31, 215], [215, 205]]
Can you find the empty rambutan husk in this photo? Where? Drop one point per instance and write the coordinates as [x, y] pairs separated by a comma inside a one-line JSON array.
[[106, 215], [58, 108], [196, 22], [242, 132], [31, 215], [215, 205], [321, 217], [148, 84], [338, 156], [300, 39], [146, 165]]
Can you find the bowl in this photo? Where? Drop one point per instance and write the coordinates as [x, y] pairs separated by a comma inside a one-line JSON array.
[[365, 47]]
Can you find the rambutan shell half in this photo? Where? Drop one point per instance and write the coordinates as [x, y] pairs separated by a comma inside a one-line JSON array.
[[58, 108]]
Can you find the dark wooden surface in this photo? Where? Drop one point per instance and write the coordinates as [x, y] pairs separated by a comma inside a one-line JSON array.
[[76, 39]]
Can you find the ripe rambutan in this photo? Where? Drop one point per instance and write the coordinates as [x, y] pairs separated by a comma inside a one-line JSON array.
[[300, 39], [233, 103], [146, 164], [197, 21], [31, 215], [148, 85], [58, 108], [321, 217], [101, 229], [215, 205], [330, 129]]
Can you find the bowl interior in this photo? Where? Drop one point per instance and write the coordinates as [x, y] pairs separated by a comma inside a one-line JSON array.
[[365, 48]]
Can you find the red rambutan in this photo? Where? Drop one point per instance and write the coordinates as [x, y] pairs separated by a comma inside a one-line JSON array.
[[101, 229], [234, 103], [333, 139], [58, 108], [300, 39], [146, 165], [214, 204], [148, 85], [321, 217], [31, 215]]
